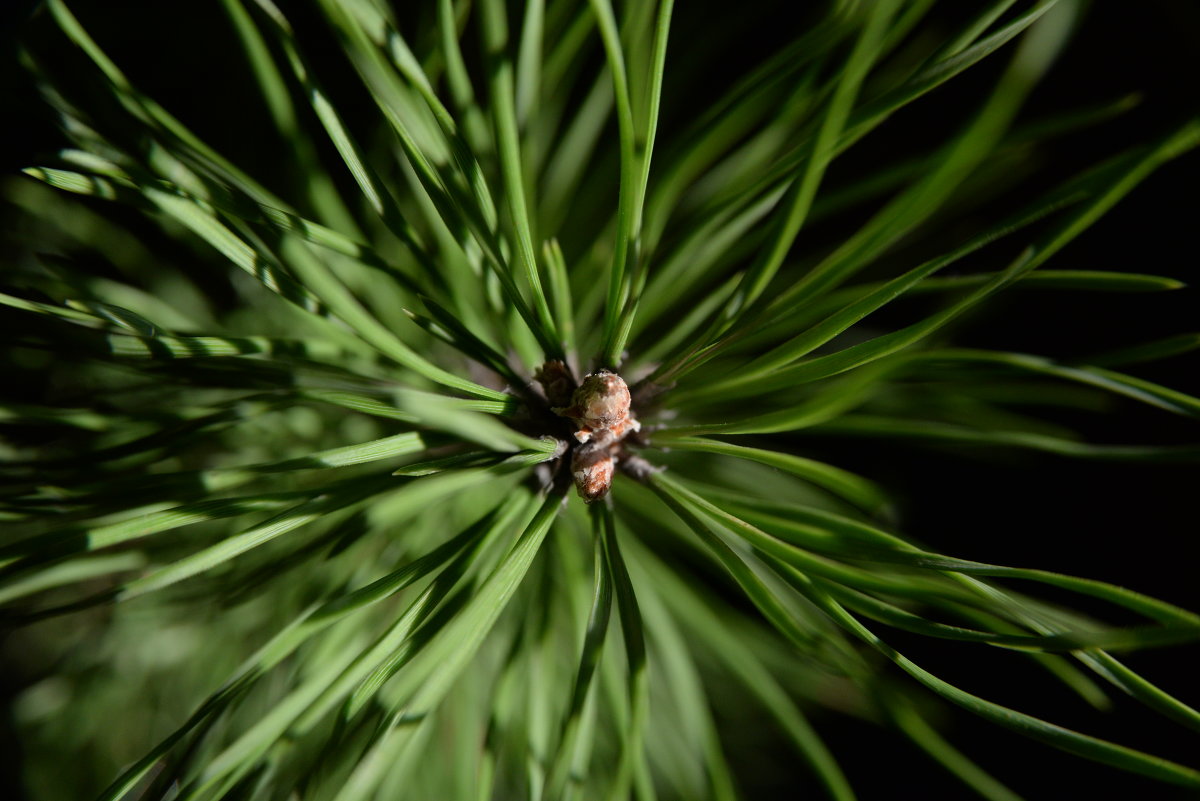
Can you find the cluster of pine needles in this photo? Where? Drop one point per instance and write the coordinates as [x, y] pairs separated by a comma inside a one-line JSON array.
[[286, 516]]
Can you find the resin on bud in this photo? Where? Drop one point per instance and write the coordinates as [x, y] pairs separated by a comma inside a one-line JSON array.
[[592, 467], [601, 403]]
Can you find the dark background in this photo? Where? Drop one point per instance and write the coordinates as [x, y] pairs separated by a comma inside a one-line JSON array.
[[1022, 509]]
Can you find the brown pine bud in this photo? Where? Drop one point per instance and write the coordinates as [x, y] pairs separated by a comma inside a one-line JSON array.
[[592, 468], [601, 403], [602, 400], [557, 382]]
